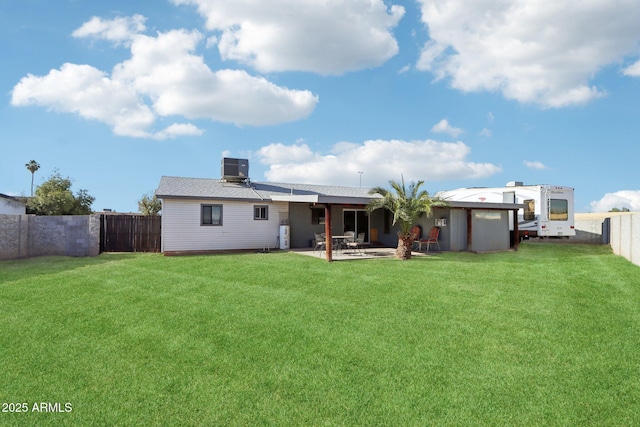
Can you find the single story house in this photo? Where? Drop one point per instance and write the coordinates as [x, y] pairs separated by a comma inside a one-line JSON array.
[[11, 205], [208, 215]]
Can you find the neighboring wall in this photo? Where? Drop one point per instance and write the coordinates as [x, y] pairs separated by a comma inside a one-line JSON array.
[[592, 227], [625, 236], [10, 206], [14, 236], [30, 235]]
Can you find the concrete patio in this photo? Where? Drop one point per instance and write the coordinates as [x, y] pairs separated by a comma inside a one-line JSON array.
[[367, 253]]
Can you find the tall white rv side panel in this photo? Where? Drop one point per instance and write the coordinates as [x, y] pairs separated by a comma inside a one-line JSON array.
[[548, 211]]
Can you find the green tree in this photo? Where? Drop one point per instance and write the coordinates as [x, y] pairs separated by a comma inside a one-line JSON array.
[[149, 205], [619, 210], [32, 166], [54, 197], [406, 205]]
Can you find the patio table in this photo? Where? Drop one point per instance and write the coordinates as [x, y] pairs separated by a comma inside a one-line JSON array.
[[338, 241]]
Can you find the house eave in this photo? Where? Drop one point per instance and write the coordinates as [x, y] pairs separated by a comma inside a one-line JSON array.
[[320, 199], [484, 205], [307, 198], [291, 198], [230, 199]]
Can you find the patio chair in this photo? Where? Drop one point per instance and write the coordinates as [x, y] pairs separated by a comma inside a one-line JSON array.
[[349, 237], [416, 232], [432, 238], [357, 244], [321, 242]]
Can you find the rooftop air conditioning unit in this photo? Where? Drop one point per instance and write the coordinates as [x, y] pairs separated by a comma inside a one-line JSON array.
[[236, 170]]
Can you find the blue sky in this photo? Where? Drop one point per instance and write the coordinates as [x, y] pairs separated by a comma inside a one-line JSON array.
[[116, 94]]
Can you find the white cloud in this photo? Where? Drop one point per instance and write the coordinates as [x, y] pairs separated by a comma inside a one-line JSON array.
[[380, 160], [533, 52], [443, 126], [117, 30], [620, 199], [326, 37], [535, 165], [178, 129], [276, 154], [486, 133], [163, 77], [180, 83], [87, 91], [632, 70]]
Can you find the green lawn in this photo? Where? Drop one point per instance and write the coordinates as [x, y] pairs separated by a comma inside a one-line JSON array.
[[548, 335]]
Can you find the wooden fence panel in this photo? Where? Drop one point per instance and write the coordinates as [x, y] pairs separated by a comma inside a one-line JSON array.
[[130, 233]]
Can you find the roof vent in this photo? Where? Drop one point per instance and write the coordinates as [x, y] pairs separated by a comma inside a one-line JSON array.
[[235, 170]]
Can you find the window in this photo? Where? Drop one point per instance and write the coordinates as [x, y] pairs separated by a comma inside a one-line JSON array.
[[559, 210], [317, 215], [211, 215], [487, 215], [529, 210], [261, 212]]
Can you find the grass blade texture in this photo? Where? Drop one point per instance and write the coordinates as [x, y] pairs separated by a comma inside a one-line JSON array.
[[547, 335]]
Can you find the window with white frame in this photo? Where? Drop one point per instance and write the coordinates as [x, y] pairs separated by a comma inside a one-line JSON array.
[[261, 212]]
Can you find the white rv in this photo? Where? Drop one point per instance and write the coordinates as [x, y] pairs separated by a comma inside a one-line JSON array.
[[548, 209]]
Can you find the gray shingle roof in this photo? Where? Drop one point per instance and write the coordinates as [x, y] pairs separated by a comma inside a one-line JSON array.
[[13, 199], [205, 188]]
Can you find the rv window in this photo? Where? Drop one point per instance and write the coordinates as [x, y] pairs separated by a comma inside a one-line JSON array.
[[211, 215], [559, 210], [529, 210]]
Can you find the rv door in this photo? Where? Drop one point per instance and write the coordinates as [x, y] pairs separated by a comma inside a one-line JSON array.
[[557, 211]]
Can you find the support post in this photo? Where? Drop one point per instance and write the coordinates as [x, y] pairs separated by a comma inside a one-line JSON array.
[[469, 230], [327, 230], [516, 231]]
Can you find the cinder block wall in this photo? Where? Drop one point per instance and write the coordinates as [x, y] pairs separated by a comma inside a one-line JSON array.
[[30, 235], [14, 236]]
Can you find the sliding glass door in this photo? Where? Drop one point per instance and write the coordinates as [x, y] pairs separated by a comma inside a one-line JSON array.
[[356, 220]]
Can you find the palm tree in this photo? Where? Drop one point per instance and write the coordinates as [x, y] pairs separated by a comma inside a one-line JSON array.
[[33, 166], [406, 205]]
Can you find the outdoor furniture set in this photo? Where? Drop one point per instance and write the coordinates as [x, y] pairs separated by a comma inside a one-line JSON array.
[[347, 242]]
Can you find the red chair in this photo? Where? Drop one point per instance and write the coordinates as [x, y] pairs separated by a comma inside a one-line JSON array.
[[416, 232], [429, 240]]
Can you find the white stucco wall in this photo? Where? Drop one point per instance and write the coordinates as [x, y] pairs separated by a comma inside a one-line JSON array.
[[11, 207]]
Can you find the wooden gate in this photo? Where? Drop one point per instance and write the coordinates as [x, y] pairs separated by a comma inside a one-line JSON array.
[[130, 233]]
